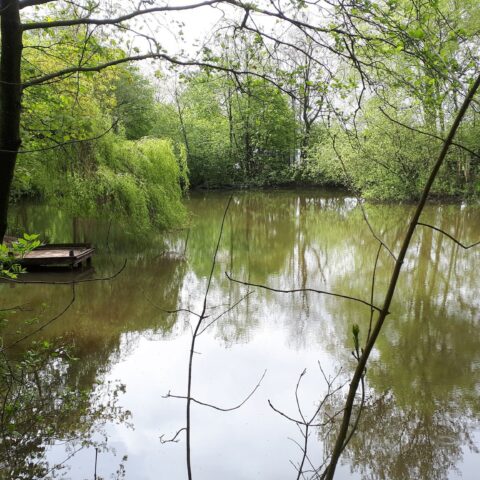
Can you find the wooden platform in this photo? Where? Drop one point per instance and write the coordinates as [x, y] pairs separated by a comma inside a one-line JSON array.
[[62, 254]]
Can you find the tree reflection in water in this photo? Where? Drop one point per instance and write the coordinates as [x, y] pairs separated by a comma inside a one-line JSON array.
[[40, 407], [404, 442], [427, 359], [53, 394]]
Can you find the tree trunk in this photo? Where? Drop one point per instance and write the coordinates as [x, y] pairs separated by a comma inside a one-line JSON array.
[[10, 101], [231, 131], [305, 141], [182, 123]]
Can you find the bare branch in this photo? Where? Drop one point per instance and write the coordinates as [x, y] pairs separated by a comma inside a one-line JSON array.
[[114, 21], [428, 134], [299, 422], [69, 282], [64, 144], [330, 392], [297, 290], [44, 325], [174, 438], [465, 247], [215, 407], [305, 457]]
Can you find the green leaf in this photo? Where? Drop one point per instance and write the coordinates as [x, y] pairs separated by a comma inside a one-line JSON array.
[[416, 33]]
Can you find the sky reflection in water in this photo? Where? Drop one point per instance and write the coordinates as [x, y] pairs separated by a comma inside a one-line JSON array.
[[422, 417]]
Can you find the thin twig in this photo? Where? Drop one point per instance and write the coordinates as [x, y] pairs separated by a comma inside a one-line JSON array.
[[215, 407], [41, 327], [173, 439], [225, 312], [57, 466], [297, 290], [178, 310], [310, 423], [428, 134], [465, 247], [192, 345], [69, 282]]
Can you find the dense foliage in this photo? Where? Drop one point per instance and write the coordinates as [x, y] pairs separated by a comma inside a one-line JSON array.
[[126, 145], [86, 146]]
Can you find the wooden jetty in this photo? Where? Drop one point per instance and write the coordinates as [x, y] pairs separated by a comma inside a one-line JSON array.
[[58, 255]]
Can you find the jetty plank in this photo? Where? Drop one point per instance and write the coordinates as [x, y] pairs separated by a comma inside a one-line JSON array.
[[64, 254]]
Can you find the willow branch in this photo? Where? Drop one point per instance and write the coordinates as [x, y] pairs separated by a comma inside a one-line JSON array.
[[64, 144]]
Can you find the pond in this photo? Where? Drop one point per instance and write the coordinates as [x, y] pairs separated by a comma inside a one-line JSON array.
[[421, 417]]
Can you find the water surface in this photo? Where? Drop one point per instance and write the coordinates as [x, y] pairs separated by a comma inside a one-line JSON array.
[[421, 419]]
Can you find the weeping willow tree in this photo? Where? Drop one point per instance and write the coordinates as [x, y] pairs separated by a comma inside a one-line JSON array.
[[86, 146]]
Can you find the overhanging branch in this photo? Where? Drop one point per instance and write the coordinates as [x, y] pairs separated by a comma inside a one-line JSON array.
[[148, 56], [113, 21], [64, 144], [428, 134], [33, 3], [451, 237], [297, 290]]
